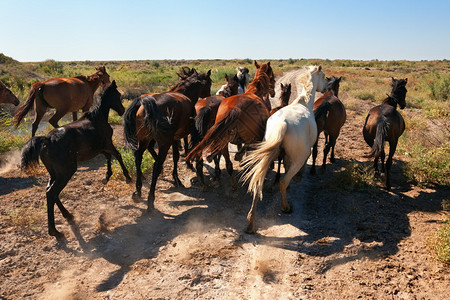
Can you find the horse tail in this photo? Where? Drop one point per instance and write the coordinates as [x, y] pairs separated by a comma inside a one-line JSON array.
[[321, 111], [202, 120], [257, 162], [26, 106], [31, 152], [216, 137], [154, 120], [380, 136], [129, 123]]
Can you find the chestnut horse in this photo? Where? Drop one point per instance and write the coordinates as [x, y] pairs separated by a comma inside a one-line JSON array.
[[163, 118], [206, 109], [292, 129], [64, 147], [385, 123], [65, 94], [239, 118], [330, 116], [6, 96]]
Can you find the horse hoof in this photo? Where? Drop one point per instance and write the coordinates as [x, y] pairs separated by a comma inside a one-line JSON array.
[[287, 210], [128, 180], [58, 235], [136, 197], [105, 180], [250, 229], [69, 218]]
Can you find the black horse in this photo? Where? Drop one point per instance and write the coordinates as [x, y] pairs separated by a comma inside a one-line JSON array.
[[63, 147], [385, 123]]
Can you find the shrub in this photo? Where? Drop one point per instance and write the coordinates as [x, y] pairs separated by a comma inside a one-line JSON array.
[[366, 96], [440, 243], [440, 87], [128, 160], [355, 177]]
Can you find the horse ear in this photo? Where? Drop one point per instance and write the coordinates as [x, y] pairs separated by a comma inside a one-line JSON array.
[[113, 84], [320, 68], [282, 86], [256, 64], [194, 71], [226, 76], [2, 85], [406, 80], [209, 72]]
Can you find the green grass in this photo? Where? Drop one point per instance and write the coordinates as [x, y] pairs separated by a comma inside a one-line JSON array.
[[28, 218], [128, 160], [440, 243], [354, 178], [428, 166]]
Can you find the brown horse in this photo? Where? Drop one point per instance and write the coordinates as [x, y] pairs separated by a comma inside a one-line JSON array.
[[65, 94], [385, 123], [6, 96], [163, 118], [330, 116], [240, 118], [64, 147], [206, 109]]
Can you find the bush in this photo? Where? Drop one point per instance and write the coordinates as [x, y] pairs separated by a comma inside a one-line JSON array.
[[429, 165], [440, 243], [128, 160], [440, 87]]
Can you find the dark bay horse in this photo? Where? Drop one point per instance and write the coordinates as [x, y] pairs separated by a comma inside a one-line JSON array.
[[65, 94], [385, 123], [64, 147], [6, 96], [165, 119], [206, 109], [240, 118], [330, 116]]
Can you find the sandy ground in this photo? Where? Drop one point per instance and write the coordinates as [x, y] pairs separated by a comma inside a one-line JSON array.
[[334, 245]]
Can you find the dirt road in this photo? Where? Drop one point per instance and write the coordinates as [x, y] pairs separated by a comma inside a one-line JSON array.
[[336, 244]]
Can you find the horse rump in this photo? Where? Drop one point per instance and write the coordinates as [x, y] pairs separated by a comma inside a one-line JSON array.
[[380, 137]]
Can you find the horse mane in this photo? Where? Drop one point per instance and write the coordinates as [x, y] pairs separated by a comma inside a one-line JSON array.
[[96, 107], [304, 83]]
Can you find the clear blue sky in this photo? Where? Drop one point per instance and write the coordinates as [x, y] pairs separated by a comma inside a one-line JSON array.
[[227, 29]]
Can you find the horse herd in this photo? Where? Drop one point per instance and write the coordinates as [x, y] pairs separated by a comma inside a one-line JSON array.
[[240, 113]]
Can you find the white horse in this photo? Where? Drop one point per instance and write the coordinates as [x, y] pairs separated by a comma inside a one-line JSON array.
[[243, 77], [293, 129]]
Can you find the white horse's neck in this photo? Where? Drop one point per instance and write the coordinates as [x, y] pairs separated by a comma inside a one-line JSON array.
[[308, 85]]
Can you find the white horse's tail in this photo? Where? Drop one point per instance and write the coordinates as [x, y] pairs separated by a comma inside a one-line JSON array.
[[257, 163]]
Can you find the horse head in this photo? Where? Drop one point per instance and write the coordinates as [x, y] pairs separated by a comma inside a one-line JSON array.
[[267, 69], [318, 76], [231, 87], [6, 96], [113, 95], [285, 94], [205, 84], [399, 91], [102, 75], [333, 84]]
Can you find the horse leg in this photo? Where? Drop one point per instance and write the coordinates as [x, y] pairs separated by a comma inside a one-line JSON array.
[[277, 176], [295, 168], [229, 164], [40, 110], [382, 157], [117, 155], [176, 157], [138, 162], [109, 170], [157, 168], [217, 167], [375, 166], [74, 116], [326, 150], [392, 148], [251, 228], [151, 149], [199, 172], [54, 188], [56, 117], [314, 156]]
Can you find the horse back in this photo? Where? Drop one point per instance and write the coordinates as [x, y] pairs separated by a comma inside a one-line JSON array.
[[68, 93]]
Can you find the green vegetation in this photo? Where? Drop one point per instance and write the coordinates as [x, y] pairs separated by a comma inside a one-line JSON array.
[[355, 177], [128, 160]]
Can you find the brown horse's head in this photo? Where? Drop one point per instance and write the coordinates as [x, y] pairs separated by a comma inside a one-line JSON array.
[[186, 72], [267, 69], [333, 84], [102, 75], [194, 86], [399, 91], [6, 96], [285, 94], [231, 87], [205, 84]]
